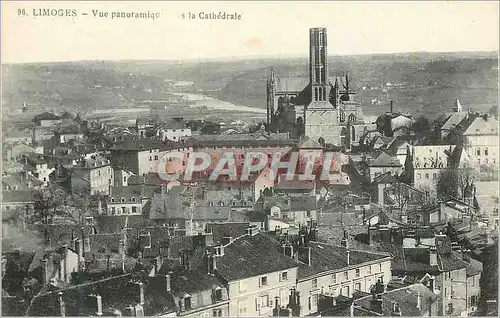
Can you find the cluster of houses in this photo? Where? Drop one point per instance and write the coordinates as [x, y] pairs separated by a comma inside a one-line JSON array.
[[373, 240]]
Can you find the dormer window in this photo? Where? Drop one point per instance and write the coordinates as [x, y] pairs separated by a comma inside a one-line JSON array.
[[221, 203], [219, 250], [123, 199], [132, 199], [112, 199], [210, 203]]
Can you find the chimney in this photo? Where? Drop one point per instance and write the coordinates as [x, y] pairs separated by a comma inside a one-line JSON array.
[[96, 304], [376, 304], [62, 306], [348, 258], [121, 248], [433, 256], [396, 310], [419, 301], [46, 273], [392, 106], [86, 245], [466, 255], [64, 262], [168, 287], [304, 255], [141, 293], [108, 263]]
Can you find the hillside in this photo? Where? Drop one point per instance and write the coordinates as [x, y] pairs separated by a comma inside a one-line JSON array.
[[426, 83]]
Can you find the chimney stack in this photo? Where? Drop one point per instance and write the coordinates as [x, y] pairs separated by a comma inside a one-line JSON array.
[[433, 256], [141, 293], [392, 106], [376, 304], [168, 287], [419, 301], [64, 262], [348, 258], [62, 306]]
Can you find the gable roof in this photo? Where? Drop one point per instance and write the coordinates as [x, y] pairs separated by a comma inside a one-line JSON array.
[[326, 257], [252, 255], [308, 143], [482, 126], [385, 178], [385, 160]]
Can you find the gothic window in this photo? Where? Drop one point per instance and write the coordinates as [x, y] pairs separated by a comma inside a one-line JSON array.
[[324, 90], [352, 117], [342, 116], [320, 93], [353, 134]]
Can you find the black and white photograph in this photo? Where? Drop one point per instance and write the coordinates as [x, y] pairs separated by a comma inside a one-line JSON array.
[[249, 158]]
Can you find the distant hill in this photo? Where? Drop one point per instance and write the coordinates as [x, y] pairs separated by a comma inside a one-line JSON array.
[[425, 83]]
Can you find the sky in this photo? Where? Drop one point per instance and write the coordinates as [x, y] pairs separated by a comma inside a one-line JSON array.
[[278, 28]]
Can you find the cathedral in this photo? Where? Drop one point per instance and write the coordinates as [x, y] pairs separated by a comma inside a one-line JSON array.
[[319, 107]]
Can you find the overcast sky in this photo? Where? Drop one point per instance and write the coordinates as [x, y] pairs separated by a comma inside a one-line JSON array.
[[266, 29]]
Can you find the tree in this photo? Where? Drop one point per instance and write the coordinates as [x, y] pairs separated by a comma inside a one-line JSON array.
[[455, 182], [47, 205]]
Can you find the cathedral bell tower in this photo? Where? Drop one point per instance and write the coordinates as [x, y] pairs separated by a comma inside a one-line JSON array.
[[320, 116], [318, 64]]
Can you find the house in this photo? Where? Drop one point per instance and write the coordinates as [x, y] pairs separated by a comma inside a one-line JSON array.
[[400, 121], [383, 164], [17, 136], [14, 151], [481, 141], [142, 156], [413, 300], [428, 164], [36, 165], [20, 181], [257, 274], [93, 173], [299, 209], [174, 130], [69, 132], [128, 200], [47, 119], [335, 270]]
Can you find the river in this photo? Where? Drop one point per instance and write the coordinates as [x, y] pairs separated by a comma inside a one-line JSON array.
[[212, 103]]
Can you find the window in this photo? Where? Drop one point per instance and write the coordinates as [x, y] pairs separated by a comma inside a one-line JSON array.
[[380, 267], [334, 278], [450, 308], [358, 272], [434, 175], [150, 158], [346, 275], [473, 301], [315, 283], [217, 313], [112, 199], [156, 157], [445, 292], [357, 286], [187, 303], [112, 210], [478, 152], [427, 176], [478, 161], [284, 276], [242, 306], [124, 210], [419, 176], [494, 161], [486, 161], [134, 209], [243, 287], [486, 151], [99, 173], [218, 294], [263, 281], [264, 301], [123, 199], [370, 269]]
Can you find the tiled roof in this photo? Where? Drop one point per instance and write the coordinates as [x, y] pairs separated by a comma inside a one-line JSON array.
[[385, 160], [480, 126], [385, 178], [47, 116], [308, 143], [474, 268], [454, 120], [116, 223], [231, 229], [406, 298], [326, 257], [250, 256]]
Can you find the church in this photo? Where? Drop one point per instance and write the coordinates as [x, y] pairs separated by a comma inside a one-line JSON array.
[[317, 106]]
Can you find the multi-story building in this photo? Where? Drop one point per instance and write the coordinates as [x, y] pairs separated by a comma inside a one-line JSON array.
[[47, 119], [92, 173], [174, 130], [257, 274], [384, 163], [428, 164], [36, 165], [336, 270], [481, 141]]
